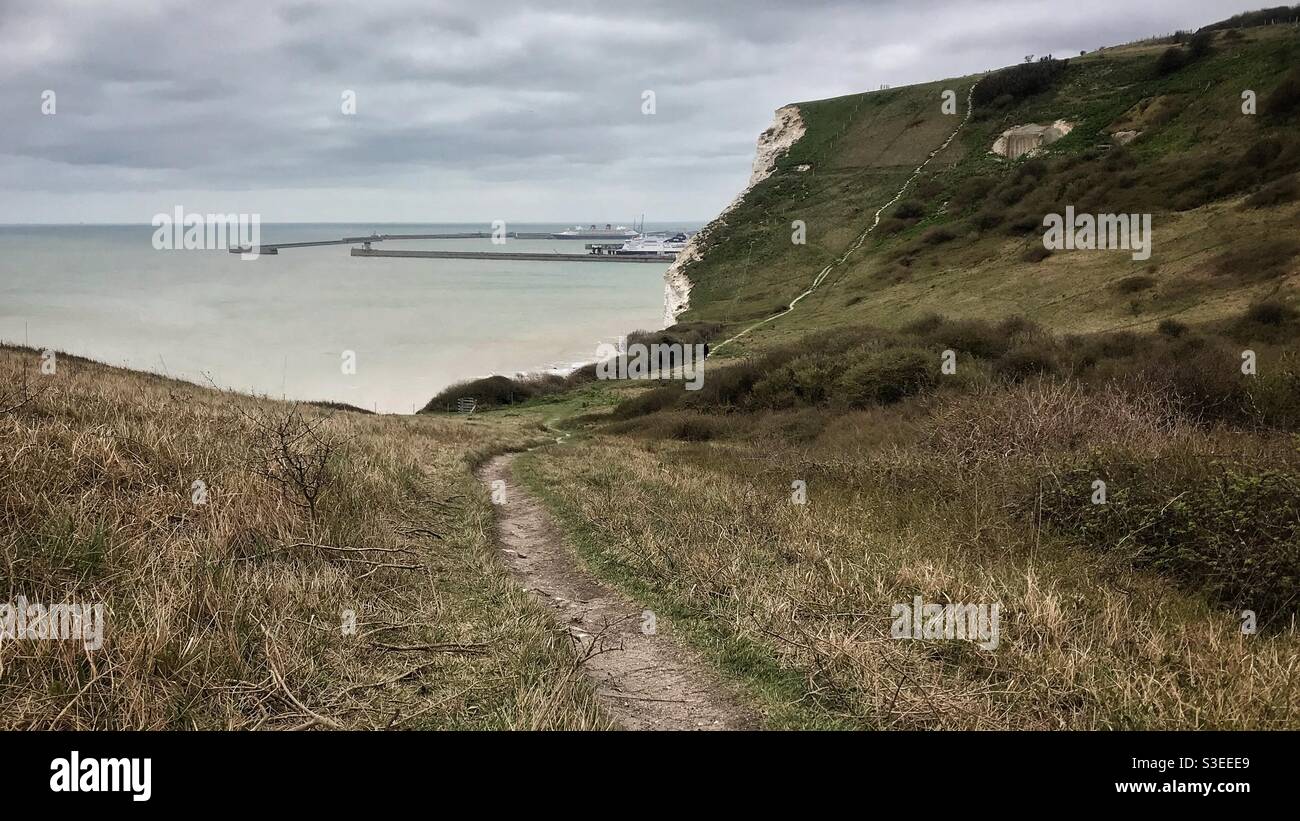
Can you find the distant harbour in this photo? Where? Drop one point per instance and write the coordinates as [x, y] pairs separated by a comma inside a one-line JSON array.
[[280, 325]]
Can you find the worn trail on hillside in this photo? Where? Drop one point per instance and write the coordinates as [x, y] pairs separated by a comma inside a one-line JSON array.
[[823, 273], [644, 679]]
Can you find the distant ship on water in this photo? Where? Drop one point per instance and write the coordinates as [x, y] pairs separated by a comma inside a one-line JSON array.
[[594, 232], [656, 245]]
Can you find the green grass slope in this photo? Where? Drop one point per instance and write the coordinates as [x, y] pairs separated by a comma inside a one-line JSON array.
[[1220, 186]]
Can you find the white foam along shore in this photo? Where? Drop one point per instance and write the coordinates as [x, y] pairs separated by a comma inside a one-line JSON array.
[[787, 127]]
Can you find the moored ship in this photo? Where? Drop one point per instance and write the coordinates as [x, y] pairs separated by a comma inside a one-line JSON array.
[[656, 244], [595, 232]]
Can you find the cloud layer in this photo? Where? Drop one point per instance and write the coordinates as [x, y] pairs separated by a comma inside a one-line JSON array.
[[466, 112]]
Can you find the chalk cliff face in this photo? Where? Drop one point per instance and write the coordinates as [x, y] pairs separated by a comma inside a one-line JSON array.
[[787, 128], [1028, 139]]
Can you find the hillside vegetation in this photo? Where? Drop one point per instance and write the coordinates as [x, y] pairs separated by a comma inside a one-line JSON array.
[[1107, 447], [1220, 186], [261, 564]]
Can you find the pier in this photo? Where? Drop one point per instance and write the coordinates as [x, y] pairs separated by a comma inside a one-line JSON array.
[[596, 251], [274, 247], [535, 256]]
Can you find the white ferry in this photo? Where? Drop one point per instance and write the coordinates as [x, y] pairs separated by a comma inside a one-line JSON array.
[[657, 244], [594, 232]]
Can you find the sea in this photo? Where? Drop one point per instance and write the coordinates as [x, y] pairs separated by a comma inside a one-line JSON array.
[[384, 334]]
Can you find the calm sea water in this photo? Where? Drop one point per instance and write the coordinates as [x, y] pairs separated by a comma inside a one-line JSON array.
[[279, 325]]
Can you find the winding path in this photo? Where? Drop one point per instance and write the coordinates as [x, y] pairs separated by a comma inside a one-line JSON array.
[[821, 275]]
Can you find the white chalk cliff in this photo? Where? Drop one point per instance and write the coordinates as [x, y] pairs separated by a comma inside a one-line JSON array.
[[773, 143], [1029, 139]]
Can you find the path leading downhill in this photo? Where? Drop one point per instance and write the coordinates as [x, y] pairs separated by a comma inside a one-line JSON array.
[[823, 273], [644, 681]]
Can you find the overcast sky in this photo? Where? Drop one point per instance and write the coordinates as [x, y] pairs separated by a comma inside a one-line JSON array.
[[467, 111]]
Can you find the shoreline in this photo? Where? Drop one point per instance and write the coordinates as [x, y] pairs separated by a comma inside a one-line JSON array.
[[278, 330], [786, 129]]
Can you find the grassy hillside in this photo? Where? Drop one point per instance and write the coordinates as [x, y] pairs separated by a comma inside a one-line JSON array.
[[794, 601], [936, 420], [227, 603], [1171, 601], [959, 242], [978, 486]]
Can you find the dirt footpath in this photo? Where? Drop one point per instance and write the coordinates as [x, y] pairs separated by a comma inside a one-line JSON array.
[[645, 680]]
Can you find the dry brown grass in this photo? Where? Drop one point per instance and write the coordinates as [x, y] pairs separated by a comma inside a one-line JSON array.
[[1042, 418], [231, 613], [904, 503]]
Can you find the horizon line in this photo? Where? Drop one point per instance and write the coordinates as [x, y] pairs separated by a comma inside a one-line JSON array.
[[355, 222]]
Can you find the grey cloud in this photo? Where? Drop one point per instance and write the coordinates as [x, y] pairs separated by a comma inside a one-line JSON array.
[[488, 100]]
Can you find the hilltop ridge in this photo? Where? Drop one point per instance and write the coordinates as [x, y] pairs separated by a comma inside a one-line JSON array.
[[1158, 128]]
